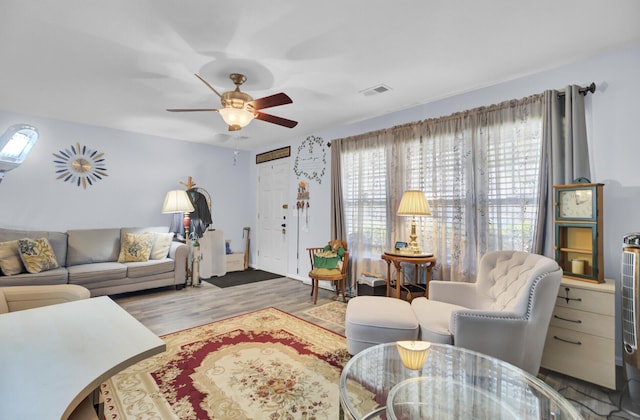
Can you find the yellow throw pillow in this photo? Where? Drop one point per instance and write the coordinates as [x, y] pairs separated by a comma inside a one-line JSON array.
[[135, 247], [10, 262], [161, 245], [37, 255]]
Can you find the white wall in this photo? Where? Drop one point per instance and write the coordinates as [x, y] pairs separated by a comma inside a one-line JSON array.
[[141, 170], [614, 143]]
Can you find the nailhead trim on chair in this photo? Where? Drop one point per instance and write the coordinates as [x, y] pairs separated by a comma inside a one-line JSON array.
[[535, 283]]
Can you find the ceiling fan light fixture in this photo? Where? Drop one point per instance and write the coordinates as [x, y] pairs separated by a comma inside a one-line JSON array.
[[239, 117]]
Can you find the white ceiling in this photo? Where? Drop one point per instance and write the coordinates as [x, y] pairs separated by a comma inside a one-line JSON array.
[[121, 63]]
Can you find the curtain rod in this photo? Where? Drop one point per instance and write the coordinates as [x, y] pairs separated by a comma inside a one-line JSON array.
[[584, 90]]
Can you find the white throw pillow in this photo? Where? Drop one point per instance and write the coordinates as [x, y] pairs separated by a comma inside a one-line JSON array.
[[161, 245]]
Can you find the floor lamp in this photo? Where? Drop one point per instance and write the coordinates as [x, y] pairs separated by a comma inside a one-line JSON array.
[[177, 201], [413, 204]]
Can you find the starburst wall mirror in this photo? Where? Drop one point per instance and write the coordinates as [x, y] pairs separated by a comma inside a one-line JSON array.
[[80, 165]]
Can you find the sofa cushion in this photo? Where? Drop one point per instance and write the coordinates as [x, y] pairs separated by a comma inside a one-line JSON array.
[[149, 268], [161, 245], [58, 240], [90, 273], [135, 247], [10, 262], [55, 276], [88, 246], [37, 255], [434, 318]]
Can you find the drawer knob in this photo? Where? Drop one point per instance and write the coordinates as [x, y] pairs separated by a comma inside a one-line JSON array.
[[577, 343]]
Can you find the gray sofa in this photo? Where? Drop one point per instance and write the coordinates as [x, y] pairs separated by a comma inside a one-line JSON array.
[[89, 257]]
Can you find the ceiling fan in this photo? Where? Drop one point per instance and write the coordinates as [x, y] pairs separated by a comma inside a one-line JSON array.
[[239, 108]]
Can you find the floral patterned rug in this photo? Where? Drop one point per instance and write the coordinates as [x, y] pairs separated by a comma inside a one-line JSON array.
[[262, 365], [332, 312]]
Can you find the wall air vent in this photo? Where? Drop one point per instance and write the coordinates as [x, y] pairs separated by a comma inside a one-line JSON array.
[[375, 90]]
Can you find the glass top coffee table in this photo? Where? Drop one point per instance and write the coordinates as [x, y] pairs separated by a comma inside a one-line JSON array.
[[453, 383]]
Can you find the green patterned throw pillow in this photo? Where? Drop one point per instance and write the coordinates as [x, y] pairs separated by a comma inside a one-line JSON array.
[[136, 247], [37, 255]]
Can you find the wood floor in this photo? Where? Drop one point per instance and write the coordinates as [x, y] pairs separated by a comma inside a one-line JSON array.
[[167, 310]]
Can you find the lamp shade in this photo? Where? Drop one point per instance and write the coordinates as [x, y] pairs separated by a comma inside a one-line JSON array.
[[414, 203], [177, 201]]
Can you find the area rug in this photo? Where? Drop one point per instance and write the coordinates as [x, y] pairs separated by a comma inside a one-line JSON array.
[[262, 365], [332, 312], [237, 278]]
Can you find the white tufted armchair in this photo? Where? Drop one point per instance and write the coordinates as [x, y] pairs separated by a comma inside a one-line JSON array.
[[504, 314]]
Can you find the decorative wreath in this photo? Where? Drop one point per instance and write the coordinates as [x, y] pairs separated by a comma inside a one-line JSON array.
[[309, 163]]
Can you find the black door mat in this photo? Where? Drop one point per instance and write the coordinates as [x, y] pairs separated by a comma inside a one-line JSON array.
[[237, 278]]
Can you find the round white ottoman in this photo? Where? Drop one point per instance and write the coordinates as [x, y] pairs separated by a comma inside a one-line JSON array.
[[372, 320]]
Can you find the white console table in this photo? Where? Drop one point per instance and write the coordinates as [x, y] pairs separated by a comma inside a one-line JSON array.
[[53, 357]]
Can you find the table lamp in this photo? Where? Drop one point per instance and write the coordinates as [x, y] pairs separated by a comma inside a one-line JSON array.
[[177, 201], [413, 204], [413, 353]]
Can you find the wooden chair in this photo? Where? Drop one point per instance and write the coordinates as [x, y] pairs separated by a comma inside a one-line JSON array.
[[337, 275]]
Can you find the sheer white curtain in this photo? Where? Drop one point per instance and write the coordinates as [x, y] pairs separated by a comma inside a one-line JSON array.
[[479, 170], [365, 192]]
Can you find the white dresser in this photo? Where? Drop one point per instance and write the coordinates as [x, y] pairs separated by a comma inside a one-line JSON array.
[[581, 338], [212, 250]]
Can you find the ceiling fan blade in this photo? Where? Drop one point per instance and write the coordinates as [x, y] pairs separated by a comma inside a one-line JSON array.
[[275, 120], [207, 83], [269, 101], [192, 110]]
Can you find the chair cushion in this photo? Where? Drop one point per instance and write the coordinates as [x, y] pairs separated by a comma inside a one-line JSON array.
[[325, 272], [434, 318]]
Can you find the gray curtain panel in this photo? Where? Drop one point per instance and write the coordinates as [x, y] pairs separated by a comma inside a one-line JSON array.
[[565, 154]]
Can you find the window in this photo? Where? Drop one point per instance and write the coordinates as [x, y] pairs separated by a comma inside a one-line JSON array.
[[479, 171], [365, 199]]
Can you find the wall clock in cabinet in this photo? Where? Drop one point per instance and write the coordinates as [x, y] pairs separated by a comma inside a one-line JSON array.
[[578, 231]]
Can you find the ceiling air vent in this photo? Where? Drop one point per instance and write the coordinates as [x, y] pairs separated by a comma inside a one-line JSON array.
[[375, 90]]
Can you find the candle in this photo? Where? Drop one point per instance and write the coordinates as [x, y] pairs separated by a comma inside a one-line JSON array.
[[577, 266]]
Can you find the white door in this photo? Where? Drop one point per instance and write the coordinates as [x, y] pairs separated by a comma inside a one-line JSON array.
[[273, 226]]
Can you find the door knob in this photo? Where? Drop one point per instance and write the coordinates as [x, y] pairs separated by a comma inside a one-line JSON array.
[[284, 225]]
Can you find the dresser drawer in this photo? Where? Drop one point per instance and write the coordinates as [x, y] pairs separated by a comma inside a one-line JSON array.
[[585, 300], [584, 322], [592, 360]]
